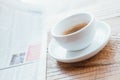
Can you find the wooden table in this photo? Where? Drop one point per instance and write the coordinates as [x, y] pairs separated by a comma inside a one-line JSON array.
[[103, 66]]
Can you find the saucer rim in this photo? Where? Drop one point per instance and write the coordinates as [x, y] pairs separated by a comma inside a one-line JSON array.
[[90, 54]]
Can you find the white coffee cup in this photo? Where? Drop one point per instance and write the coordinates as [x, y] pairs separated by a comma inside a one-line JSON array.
[[77, 40]]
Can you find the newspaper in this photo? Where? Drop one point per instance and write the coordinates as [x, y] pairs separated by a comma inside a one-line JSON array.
[[28, 65], [22, 45]]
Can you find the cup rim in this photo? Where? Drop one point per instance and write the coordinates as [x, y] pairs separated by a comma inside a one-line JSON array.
[[92, 19]]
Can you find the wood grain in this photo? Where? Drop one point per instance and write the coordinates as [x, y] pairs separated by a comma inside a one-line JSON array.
[[104, 64]]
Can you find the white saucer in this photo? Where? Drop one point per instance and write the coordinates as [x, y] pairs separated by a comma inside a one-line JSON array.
[[101, 38]]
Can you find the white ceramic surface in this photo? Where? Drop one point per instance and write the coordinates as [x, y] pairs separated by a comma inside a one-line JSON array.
[[76, 40], [101, 38]]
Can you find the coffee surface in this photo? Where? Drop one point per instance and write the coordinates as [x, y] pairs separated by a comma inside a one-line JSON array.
[[74, 28]]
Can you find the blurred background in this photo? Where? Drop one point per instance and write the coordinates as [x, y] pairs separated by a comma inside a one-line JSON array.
[[25, 21]]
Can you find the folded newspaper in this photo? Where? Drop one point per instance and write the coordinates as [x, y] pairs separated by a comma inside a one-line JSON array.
[[27, 64], [22, 44]]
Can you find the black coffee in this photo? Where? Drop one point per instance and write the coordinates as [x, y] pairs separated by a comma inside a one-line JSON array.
[[74, 28]]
